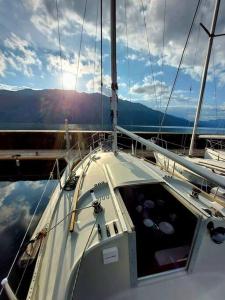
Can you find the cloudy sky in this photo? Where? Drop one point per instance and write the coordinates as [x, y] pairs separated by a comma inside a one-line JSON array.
[[151, 35]]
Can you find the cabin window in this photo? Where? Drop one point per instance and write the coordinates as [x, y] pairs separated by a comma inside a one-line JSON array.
[[164, 228]]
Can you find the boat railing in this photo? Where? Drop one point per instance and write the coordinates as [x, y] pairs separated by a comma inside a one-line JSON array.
[[215, 144], [99, 138], [166, 164], [169, 145], [210, 177]]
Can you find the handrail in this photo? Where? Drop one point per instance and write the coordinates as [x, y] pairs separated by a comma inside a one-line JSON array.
[[156, 139], [216, 179], [215, 144]]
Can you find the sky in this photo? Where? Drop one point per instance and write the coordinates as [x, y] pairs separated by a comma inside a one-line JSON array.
[[45, 48]]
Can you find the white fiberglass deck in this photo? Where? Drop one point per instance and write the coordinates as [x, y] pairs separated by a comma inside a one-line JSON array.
[[64, 249], [58, 262]]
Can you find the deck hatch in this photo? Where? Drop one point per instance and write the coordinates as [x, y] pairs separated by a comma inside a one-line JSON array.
[[164, 228]]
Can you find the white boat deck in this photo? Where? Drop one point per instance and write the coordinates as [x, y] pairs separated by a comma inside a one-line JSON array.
[[63, 249], [215, 154], [58, 261]]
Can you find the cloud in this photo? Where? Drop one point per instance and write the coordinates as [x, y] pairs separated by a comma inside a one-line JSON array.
[[2, 64], [148, 87], [88, 64], [183, 102], [135, 57], [156, 94], [6, 190], [94, 85], [20, 56], [10, 87], [39, 46], [178, 18], [32, 4], [18, 201]]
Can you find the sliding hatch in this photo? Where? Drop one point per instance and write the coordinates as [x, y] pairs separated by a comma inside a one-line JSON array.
[[164, 228]]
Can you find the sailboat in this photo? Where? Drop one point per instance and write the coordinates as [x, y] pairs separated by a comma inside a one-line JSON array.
[[215, 149], [119, 227], [210, 153], [214, 160]]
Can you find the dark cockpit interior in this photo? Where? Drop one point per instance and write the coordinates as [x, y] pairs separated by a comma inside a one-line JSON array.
[[164, 228]]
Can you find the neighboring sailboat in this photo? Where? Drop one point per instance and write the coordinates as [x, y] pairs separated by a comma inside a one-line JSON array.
[[215, 149], [210, 154], [126, 229]]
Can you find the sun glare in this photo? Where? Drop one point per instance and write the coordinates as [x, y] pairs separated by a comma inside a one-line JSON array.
[[68, 81]]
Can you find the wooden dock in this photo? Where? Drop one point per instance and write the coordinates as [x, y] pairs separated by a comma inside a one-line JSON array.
[[36, 154]]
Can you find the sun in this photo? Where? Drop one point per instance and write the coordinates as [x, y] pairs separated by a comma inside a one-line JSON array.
[[68, 81]]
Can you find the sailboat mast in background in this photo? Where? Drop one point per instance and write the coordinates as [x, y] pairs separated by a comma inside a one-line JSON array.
[[205, 71], [114, 86]]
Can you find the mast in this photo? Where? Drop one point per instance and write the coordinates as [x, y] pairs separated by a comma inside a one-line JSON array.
[[114, 86], [204, 76]]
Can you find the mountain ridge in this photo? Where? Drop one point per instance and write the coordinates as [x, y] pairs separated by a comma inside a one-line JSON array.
[[53, 106]]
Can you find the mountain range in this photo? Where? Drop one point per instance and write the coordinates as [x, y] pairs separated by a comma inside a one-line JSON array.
[[54, 106]]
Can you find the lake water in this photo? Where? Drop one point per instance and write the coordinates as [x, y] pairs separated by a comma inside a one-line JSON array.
[[17, 204], [95, 127]]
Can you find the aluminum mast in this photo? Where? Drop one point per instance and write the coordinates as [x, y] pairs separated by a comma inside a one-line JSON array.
[[114, 86], [204, 76]]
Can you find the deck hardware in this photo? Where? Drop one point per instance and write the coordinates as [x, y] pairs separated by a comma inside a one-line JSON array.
[[8, 289], [96, 203], [208, 211], [99, 232], [71, 183], [107, 230], [217, 233], [97, 207], [17, 162], [195, 192], [115, 227]]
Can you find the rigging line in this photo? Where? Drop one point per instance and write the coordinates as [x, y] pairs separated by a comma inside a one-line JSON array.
[[194, 63], [149, 51], [179, 66], [21, 279], [128, 59], [29, 225], [101, 13], [67, 215], [53, 227], [163, 48], [80, 45], [214, 81], [60, 46], [162, 57], [96, 35]]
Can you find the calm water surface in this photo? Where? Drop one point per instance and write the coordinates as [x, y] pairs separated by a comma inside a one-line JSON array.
[[96, 127], [18, 201]]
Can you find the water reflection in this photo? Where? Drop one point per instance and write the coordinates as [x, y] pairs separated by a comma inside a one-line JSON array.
[[17, 204]]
